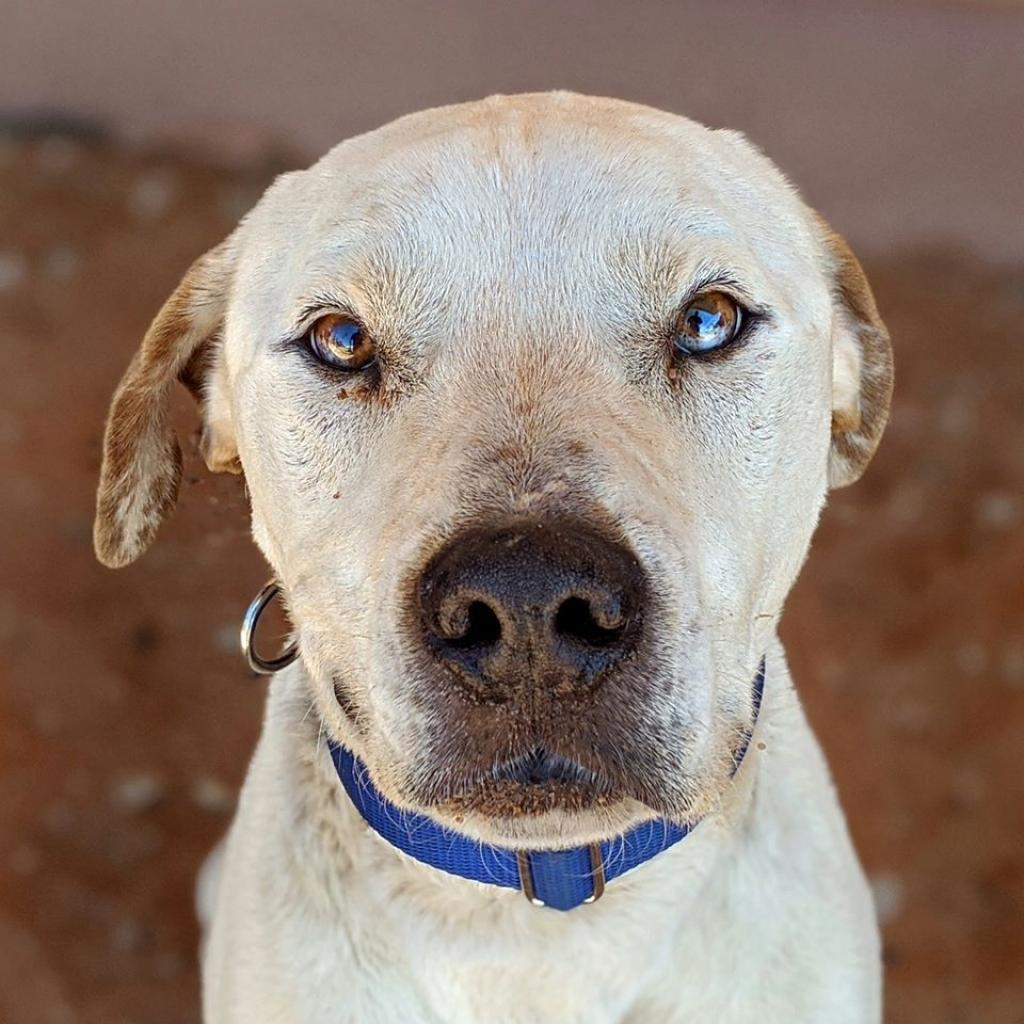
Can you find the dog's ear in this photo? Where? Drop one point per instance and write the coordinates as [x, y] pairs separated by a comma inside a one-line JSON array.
[[861, 364], [141, 458]]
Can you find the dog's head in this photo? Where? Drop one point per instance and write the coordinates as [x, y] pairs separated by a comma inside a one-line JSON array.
[[537, 400]]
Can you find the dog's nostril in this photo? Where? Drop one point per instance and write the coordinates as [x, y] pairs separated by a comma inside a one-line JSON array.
[[579, 620], [534, 606], [482, 627]]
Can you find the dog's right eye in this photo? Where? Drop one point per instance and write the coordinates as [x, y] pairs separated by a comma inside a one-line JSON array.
[[341, 342]]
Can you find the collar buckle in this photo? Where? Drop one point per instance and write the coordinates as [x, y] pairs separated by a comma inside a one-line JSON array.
[[596, 875]]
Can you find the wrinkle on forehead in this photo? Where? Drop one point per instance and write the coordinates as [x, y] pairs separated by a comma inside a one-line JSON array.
[[554, 206]]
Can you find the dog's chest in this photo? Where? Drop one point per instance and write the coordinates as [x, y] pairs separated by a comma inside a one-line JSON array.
[[530, 971], [430, 992]]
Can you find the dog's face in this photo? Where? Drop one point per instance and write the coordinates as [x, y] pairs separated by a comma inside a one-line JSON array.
[[537, 400]]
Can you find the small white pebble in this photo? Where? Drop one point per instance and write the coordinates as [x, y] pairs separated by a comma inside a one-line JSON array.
[[911, 716], [137, 793], [152, 195], [128, 935], [906, 506], [13, 270], [997, 511], [225, 639], [887, 890], [210, 794]]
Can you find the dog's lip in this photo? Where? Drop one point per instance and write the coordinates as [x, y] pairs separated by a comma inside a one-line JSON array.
[[534, 783], [539, 767]]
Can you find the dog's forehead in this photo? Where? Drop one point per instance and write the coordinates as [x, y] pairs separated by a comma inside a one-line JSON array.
[[550, 193]]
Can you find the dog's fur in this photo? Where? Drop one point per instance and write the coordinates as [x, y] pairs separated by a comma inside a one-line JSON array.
[[520, 262]]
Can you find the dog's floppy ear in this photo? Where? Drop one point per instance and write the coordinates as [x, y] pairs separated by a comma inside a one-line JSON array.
[[141, 457], [861, 364]]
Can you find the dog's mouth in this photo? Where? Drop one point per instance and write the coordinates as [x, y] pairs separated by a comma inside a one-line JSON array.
[[534, 783]]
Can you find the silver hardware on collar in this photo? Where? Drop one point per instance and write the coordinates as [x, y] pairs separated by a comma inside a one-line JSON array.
[[596, 872], [526, 876], [263, 666]]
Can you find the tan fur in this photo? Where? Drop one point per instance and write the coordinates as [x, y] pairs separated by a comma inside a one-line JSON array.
[[863, 378], [141, 457]]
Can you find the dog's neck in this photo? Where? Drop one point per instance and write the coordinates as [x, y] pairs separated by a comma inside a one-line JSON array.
[[445, 935], [561, 879]]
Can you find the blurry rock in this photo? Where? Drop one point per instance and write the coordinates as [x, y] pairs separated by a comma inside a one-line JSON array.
[[212, 795], [13, 270], [998, 511], [887, 891], [152, 195], [138, 793], [906, 505], [129, 935], [1013, 665], [225, 639], [912, 716]]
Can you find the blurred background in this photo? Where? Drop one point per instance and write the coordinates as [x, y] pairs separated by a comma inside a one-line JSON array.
[[133, 135]]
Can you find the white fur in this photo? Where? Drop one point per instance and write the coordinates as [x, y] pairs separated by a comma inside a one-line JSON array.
[[761, 915], [520, 262]]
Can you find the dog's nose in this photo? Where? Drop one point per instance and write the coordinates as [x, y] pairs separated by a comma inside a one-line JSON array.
[[537, 604]]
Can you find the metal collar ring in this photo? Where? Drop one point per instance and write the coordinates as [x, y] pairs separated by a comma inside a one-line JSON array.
[[259, 664]]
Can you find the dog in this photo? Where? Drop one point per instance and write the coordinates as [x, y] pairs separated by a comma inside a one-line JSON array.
[[538, 400]]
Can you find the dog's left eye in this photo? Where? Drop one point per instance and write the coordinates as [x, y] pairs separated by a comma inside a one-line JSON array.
[[341, 342], [711, 321]]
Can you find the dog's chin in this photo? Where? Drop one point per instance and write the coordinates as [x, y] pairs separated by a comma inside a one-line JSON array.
[[556, 818], [540, 800], [545, 801], [508, 798]]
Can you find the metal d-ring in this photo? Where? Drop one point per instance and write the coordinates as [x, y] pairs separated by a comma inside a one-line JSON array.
[[259, 664]]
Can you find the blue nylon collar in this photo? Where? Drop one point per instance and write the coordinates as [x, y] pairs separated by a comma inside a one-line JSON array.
[[560, 879]]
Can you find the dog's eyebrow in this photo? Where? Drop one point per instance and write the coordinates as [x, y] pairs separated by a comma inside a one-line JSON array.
[[713, 276], [316, 304], [673, 275]]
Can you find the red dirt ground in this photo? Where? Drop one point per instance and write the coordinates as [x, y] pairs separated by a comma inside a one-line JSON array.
[[127, 718]]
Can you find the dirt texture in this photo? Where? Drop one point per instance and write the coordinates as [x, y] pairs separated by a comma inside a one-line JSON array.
[[127, 717]]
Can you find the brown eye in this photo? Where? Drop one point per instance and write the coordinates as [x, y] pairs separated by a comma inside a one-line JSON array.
[[709, 322], [341, 342]]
